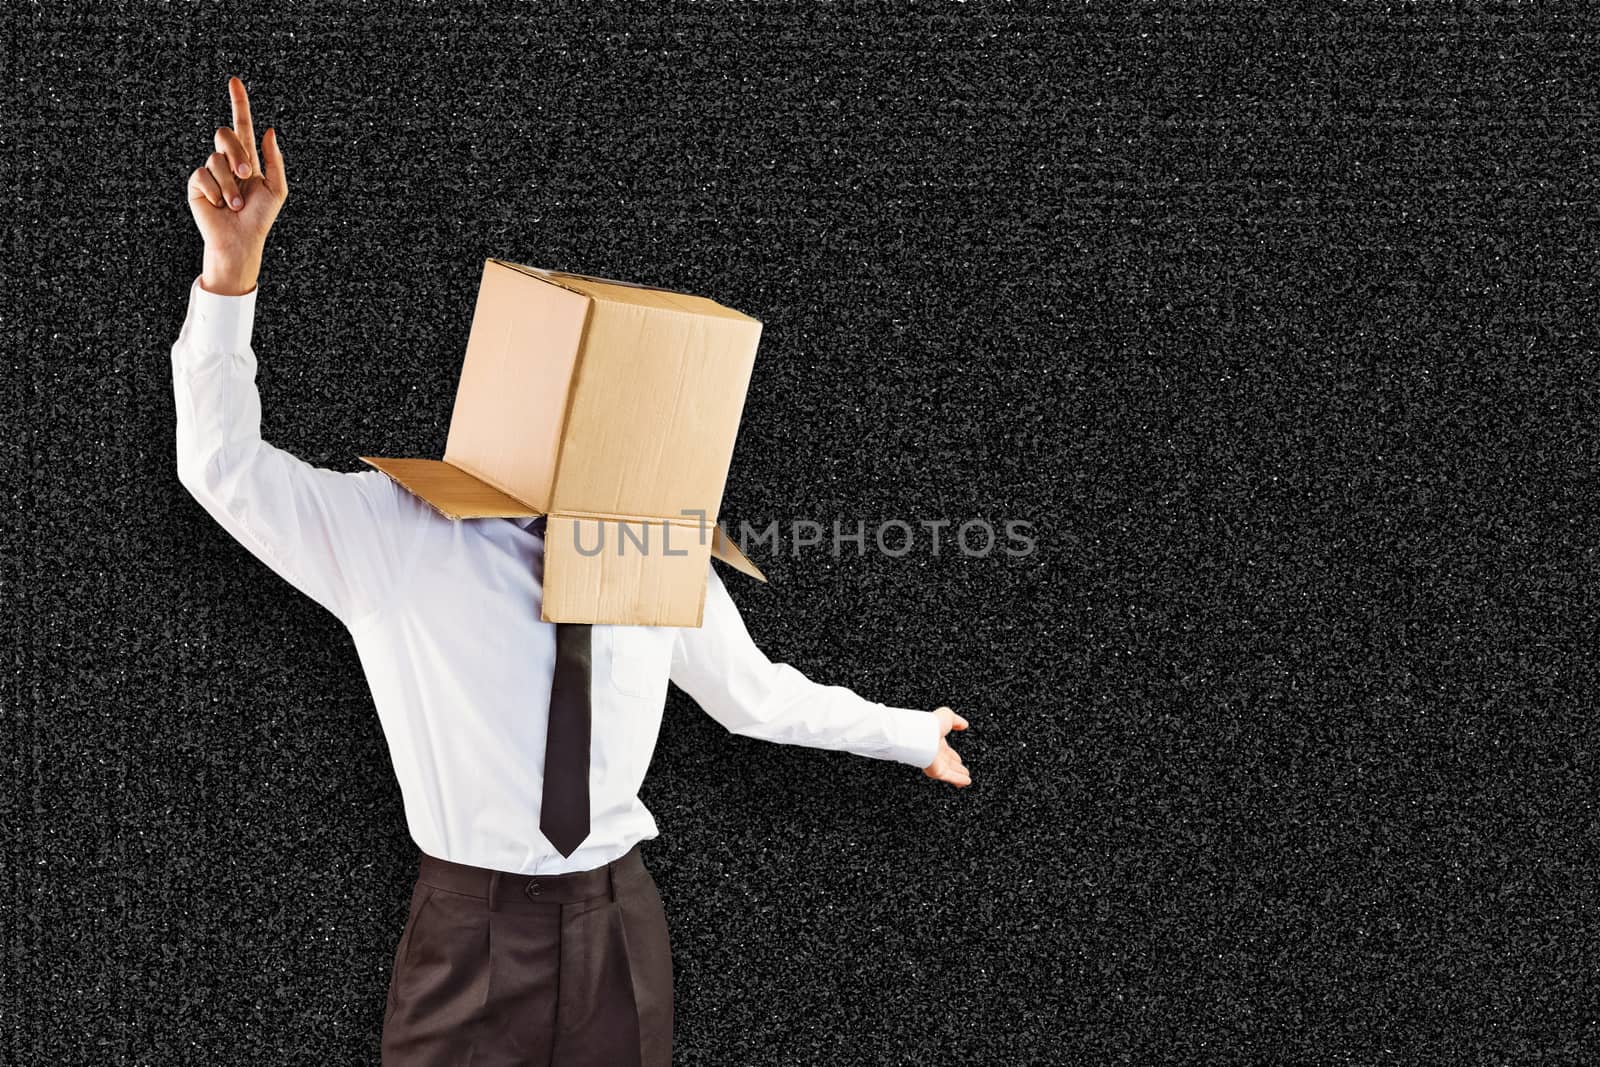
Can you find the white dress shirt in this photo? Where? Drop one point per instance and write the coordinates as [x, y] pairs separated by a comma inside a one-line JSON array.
[[445, 618]]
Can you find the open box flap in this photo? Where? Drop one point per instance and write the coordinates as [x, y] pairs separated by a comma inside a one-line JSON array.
[[724, 548], [450, 490]]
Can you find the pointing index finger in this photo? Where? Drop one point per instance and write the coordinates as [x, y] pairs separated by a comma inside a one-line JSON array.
[[242, 127]]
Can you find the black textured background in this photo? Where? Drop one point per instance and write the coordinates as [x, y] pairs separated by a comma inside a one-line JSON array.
[[1282, 333]]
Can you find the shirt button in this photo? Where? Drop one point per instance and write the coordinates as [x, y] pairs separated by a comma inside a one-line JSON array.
[[532, 889]]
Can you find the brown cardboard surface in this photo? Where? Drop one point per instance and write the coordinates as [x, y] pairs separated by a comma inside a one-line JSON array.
[[512, 398], [451, 491], [597, 572], [655, 410], [724, 548]]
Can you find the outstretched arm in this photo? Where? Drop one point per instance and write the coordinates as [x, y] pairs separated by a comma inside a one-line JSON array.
[[734, 681], [342, 539]]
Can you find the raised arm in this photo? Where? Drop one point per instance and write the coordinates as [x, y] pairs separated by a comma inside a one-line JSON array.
[[722, 669], [343, 539]]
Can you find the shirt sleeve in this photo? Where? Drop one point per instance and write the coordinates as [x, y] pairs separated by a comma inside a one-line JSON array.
[[341, 539], [722, 669]]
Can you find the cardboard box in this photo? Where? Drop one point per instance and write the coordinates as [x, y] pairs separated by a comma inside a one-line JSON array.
[[612, 408]]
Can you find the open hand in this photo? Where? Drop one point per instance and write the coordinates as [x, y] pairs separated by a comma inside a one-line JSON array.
[[234, 199], [947, 765]]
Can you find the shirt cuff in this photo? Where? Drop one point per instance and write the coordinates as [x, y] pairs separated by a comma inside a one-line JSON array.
[[915, 736], [220, 323]]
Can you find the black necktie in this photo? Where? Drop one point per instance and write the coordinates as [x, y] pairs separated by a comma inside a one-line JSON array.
[[564, 807]]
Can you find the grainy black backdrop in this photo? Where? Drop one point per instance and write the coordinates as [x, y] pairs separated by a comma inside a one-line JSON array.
[[1280, 332]]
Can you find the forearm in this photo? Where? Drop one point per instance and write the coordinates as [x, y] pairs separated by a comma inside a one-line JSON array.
[[214, 392], [794, 710]]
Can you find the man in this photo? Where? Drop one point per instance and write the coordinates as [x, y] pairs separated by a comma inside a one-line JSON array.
[[535, 934]]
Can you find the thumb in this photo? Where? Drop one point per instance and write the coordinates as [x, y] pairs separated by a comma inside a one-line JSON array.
[[272, 156]]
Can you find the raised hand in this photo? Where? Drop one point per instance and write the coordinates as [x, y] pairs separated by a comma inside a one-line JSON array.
[[234, 199], [947, 765]]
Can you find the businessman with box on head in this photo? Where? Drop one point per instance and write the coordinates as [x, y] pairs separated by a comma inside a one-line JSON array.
[[519, 607]]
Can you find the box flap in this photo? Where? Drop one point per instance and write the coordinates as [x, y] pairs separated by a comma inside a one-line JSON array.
[[451, 491], [624, 572], [724, 548]]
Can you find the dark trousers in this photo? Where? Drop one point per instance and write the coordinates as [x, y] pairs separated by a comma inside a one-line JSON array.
[[567, 970]]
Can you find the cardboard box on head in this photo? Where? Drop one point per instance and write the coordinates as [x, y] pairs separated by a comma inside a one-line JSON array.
[[611, 408]]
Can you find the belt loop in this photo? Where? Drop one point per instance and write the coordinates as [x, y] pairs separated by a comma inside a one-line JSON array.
[[611, 880], [494, 891]]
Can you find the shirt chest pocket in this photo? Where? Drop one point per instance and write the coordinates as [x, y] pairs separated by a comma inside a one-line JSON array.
[[638, 659]]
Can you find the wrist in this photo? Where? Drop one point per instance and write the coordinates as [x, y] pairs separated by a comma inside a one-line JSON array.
[[229, 275]]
